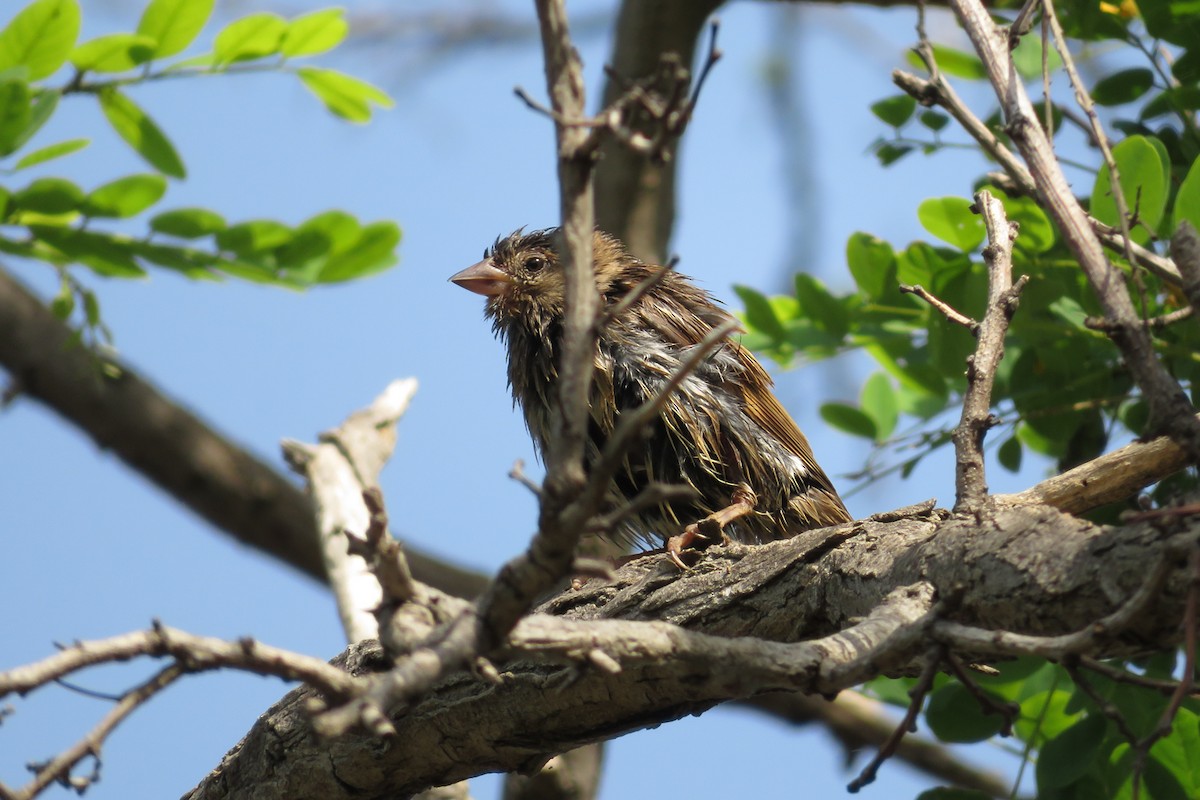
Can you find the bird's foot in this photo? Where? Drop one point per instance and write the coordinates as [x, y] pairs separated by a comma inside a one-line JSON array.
[[712, 527]]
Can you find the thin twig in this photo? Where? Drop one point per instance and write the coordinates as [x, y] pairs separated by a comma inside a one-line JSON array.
[[948, 311], [1187, 680], [1084, 99], [907, 725], [58, 769], [1006, 710]]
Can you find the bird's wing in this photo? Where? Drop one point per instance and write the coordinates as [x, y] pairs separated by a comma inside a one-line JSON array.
[[684, 317]]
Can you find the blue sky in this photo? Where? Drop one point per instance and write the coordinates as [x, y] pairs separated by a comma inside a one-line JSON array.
[[93, 550]]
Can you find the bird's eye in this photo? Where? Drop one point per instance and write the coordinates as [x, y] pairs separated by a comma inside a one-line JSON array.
[[535, 263]]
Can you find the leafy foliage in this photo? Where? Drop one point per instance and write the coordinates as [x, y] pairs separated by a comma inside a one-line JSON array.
[[53, 220], [1062, 390]]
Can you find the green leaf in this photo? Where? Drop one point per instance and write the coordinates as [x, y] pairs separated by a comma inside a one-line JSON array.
[[1176, 100], [141, 133], [40, 37], [953, 62], [1009, 454], [1028, 57], [889, 153], [951, 220], [125, 197], [51, 152], [250, 37], [1044, 714], [341, 229], [116, 52], [64, 302], [872, 263], [849, 419], [314, 33], [759, 314], [49, 196], [345, 96], [188, 223], [1070, 755], [1142, 183], [1177, 22], [45, 101], [954, 715], [934, 120], [105, 254], [821, 307], [878, 401], [374, 252], [1123, 87], [91, 307], [174, 23], [254, 236], [1037, 233], [16, 112], [1187, 202], [895, 110]]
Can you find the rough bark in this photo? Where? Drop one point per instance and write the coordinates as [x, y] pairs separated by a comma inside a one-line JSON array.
[[1030, 570]]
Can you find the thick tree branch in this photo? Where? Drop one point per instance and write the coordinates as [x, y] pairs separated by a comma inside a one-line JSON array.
[[236, 492], [1032, 576]]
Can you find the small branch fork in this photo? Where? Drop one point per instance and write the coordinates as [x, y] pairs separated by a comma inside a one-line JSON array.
[[650, 115], [1003, 293]]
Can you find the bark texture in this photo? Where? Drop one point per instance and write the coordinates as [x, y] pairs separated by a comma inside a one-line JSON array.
[[1032, 570]]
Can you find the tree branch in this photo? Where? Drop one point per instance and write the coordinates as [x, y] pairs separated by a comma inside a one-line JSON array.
[[1032, 577]]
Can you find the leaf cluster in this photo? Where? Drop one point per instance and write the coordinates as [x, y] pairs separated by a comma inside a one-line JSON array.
[[53, 220], [1061, 391], [1078, 742]]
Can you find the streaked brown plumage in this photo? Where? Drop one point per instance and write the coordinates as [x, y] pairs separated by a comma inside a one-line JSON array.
[[722, 431]]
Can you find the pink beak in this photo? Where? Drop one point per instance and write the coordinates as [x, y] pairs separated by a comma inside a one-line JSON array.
[[482, 278]]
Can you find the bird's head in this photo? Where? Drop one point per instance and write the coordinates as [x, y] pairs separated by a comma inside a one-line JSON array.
[[522, 276]]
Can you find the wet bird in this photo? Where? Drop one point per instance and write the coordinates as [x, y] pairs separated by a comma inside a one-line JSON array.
[[721, 432]]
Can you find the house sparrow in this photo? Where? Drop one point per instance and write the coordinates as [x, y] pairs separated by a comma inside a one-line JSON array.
[[722, 432]]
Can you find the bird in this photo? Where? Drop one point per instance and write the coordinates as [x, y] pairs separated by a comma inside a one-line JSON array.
[[722, 432]]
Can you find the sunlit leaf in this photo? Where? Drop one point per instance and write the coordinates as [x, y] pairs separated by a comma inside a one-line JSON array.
[[345, 96], [188, 223], [849, 419], [174, 24], [1187, 201], [952, 220], [141, 133], [1142, 184], [878, 401], [374, 252], [872, 263], [51, 152], [125, 197], [40, 37], [116, 52], [250, 37], [49, 196], [314, 33]]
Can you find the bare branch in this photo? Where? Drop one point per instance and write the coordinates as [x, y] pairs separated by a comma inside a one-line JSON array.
[[344, 465], [948, 311], [969, 481], [58, 769]]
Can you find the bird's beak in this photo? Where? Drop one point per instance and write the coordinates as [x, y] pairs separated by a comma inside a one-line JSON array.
[[482, 278]]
